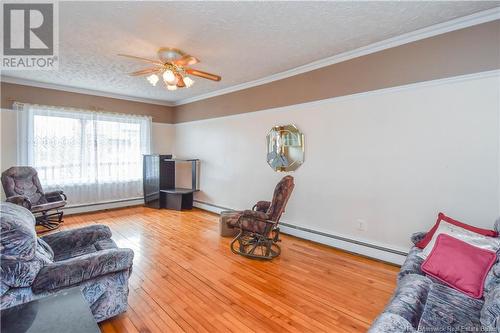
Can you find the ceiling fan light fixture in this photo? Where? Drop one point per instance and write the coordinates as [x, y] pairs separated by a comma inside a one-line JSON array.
[[169, 77], [171, 66], [188, 81], [153, 79]]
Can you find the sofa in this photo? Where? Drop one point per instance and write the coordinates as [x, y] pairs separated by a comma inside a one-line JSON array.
[[423, 304], [33, 267]]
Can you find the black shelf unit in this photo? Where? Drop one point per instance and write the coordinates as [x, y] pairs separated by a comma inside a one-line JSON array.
[[159, 183]]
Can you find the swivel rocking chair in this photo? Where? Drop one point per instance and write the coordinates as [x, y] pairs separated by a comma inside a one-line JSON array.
[[259, 228], [22, 187]]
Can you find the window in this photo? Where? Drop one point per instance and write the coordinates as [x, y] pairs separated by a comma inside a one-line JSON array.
[[92, 156]]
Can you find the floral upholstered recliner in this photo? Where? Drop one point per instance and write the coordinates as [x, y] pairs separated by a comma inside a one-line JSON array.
[[259, 230], [33, 267], [22, 187]]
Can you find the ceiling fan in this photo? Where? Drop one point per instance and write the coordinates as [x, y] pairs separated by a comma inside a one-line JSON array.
[[172, 66]]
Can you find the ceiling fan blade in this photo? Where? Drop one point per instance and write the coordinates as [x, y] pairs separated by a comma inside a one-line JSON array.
[[204, 75], [145, 71], [186, 60], [158, 62]]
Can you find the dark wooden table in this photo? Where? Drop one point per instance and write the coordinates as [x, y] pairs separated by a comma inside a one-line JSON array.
[[66, 311], [177, 198]]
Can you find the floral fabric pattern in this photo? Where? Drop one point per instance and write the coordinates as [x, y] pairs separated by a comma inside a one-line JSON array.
[[412, 263], [281, 195], [490, 313], [253, 220], [22, 187], [23, 180], [73, 271], [447, 309], [422, 304], [262, 206], [389, 322], [32, 267], [18, 233], [410, 298]]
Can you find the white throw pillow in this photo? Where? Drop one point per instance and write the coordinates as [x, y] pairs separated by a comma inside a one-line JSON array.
[[472, 238]]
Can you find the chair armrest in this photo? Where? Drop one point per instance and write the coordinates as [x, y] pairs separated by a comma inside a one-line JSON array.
[[412, 264], [417, 237], [66, 273], [391, 323], [20, 200], [57, 195], [262, 206], [255, 214], [76, 238]]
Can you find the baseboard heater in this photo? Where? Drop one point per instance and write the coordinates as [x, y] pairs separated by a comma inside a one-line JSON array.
[[344, 239], [396, 256], [96, 206], [104, 203]]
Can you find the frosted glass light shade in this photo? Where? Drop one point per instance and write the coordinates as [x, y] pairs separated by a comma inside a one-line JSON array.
[[169, 77], [153, 79], [188, 81]]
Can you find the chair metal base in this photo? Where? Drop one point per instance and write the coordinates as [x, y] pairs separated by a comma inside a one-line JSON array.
[[50, 221], [255, 246]]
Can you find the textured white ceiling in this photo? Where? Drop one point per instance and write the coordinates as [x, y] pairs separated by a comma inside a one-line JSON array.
[[241, 41]]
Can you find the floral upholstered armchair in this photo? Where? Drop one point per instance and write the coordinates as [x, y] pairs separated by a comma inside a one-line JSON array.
[[87, 258], [22, 187], [258, 228]]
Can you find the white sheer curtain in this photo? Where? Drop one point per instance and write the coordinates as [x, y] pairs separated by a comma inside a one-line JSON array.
[[93, 156]]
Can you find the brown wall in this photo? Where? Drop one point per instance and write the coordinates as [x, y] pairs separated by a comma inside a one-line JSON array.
[[27, 94], [470, 50]]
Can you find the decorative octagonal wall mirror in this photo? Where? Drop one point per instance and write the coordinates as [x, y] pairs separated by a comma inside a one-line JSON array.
[[285, 148]]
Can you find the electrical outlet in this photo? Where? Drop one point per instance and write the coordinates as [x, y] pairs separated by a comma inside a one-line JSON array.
[[360, 225]]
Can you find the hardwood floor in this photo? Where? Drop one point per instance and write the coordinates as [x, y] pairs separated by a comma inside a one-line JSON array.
[[186, 279]]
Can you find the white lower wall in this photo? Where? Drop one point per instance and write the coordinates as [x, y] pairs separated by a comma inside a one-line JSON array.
[[8, 140], [392, 158]]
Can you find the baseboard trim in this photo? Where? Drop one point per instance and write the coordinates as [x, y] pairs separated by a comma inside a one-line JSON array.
[[87, 208], [345, 239], [376, 251], [347, 244], [209, 206]]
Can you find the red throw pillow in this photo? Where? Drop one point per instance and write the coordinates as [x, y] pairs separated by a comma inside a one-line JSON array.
[[441, 217], [460, 265]]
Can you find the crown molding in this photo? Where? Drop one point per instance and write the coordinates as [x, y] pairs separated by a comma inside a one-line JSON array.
[[31, 83], [433, 30]]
